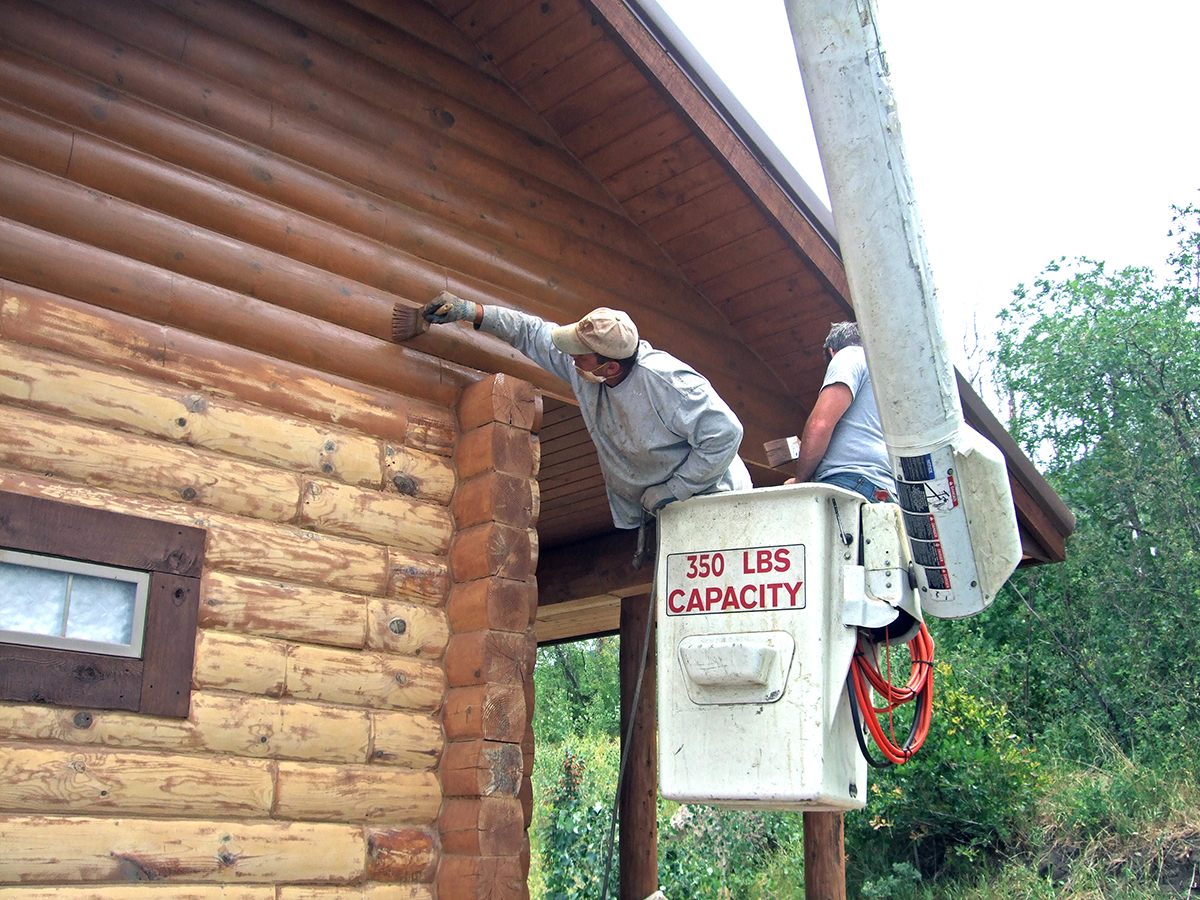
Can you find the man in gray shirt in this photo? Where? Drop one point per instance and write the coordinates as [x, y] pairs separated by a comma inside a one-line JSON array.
[[843, 442], [661, 432]]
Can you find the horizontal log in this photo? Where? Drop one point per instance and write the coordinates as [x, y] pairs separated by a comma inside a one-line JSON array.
[[487, 657], [401, 854], [496, 497], [376, 680], [481, 768], [243, 725], [144, 892], [417, 577], [55, 780], [55, 850], [492, 603], [38, 318], [499, 447], [493, 712], [57, 384], [592, 568], [355, 892], [577, 619], [234, 662], [500, 398], [482, 826], [382, 518], [481, 878], [409, 629], [494, 549], [406, 739], [279, 609], [423, 476], [323, 793]]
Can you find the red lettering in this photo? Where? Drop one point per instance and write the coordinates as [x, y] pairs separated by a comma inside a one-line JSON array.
[[746, 570], [712, 596], [753, 602], [783, 562], [793, 591], [731, 599], [670, 601], [691, 572], [774, 588], [764, 561], [694, 601]]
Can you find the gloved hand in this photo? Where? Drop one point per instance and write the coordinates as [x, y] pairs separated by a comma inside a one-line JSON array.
[[446, 307], [656, 497]]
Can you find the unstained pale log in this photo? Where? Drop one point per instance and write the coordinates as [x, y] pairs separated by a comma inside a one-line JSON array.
[[382, 518], [235, 662], [503, 399], [483, 826], [420, 578], [60, 385], [499, 604], [493, 712], [406, 739], [499, 447], [57, 780], [324, 793], [422, 476], [53, 849], [481, 768], [145, 892], [376, 680], [487, 657], [279, 609], [42, 443], [42, 319], [410, 629], [496, 497], [355, 892], [494, 549]]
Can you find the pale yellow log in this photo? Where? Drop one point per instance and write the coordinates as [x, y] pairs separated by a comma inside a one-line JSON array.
[[412, 740], [366, 892], [383, 518], [140, 892], [324, 793], [59, 384], [412, 629], [378, 680], [136, 465], [283, 610], [241, 544], [239, 725], [54, 850], [415, 473], [235, 662], [61, 780]]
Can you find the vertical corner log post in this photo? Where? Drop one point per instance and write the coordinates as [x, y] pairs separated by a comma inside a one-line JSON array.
[[824, 856], [639, 793], [489, 659]]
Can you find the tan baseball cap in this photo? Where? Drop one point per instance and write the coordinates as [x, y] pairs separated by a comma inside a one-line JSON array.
[[608, 332]]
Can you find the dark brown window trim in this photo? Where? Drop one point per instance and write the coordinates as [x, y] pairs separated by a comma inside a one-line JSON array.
[[160, 682]]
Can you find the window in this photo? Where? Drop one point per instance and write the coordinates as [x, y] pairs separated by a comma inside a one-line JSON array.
[[97, 609]]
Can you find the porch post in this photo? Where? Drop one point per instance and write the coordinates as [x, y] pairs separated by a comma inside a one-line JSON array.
[[639, 793]]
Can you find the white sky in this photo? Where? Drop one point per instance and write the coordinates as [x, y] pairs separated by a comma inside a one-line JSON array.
[[1034, 128]]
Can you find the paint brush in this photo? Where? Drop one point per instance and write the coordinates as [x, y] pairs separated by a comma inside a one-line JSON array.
[[408, 322]]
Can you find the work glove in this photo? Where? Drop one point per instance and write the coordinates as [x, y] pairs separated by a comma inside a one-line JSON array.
[[656, 497], [445, 307]]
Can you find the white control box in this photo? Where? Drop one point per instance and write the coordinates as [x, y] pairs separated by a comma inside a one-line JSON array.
[[753, 710]]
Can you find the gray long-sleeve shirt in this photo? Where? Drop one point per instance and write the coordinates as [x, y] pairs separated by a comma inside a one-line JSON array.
[[663, 424]]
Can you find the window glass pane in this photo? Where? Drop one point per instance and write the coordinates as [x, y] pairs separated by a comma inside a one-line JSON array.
[[101, 609], [31, 599]]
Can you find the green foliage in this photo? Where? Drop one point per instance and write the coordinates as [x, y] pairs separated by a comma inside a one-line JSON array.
[[1102, 373], [964, 798], [578, 690]]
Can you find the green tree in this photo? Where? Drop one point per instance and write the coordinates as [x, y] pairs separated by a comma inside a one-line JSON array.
[[577, 687], [1101, 371]]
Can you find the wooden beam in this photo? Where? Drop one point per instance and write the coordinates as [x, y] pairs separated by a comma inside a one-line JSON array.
[[639, 791]]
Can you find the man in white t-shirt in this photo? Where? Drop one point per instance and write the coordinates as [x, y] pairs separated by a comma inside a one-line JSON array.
[[842, 443]]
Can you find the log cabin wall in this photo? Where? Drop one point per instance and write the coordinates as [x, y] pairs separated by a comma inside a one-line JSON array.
[[207, 215]]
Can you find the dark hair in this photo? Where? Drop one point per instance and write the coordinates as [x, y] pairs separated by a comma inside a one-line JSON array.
[[842, 334], [626, 363]]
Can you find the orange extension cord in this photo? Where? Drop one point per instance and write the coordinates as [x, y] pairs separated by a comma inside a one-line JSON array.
[[864, 672]]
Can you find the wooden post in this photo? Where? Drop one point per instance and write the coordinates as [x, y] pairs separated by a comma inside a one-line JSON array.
[[639, 793], [824, 856]]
